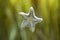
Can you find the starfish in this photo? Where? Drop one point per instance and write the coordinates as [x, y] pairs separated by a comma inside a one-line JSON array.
[[29, 20]]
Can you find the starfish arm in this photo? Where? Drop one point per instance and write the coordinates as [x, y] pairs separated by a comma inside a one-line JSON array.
[[24, 15], [32, 27], [31, 12], [24, 24], [40, 19], [36, 19]]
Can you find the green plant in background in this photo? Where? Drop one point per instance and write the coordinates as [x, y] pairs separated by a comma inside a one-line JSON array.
[[10, 20]]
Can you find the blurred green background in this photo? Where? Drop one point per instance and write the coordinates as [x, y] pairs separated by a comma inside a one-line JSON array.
[[10, 20]]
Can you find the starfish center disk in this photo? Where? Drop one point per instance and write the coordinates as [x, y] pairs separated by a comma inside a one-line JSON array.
[[30, 19]]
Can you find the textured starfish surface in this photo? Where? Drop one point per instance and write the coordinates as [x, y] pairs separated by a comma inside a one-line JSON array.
[[29, 20]]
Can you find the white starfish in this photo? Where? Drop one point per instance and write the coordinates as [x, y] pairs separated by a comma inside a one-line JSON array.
[[29, 19]]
